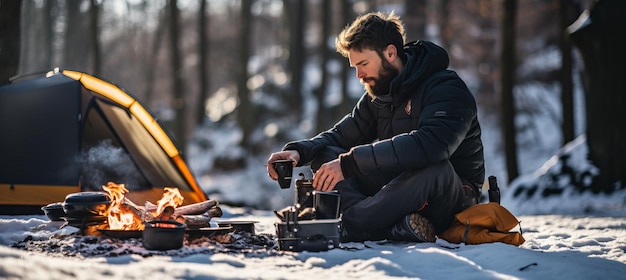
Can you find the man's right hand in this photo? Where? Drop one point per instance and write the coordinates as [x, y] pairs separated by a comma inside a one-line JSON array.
[[282, 155]]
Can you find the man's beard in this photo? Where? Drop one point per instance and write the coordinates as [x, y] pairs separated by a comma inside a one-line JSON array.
[[383, 82]]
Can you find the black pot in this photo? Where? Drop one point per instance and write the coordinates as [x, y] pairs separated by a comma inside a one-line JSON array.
[[54, 211], [163, 235], [86, 204]]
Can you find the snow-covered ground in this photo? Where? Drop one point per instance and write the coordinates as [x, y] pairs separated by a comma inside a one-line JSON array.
[[556, 247]]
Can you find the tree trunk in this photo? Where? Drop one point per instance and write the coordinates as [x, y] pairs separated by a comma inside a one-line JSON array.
[[323, 116], [94, 11], [203, 49], [9, 39], [245, 114], [346, 101], [177, 76], [600, 38], [441, 8], [48, 31], [152, 60], [567, 87], [415, 19], [508, 82], [75, 45], [295, 10]]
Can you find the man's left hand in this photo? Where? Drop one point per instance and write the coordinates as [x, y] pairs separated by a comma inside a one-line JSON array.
[[328, 175]]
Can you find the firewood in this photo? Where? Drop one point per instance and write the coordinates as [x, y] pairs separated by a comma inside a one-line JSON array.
[[196, 221], [191, 209], [215, 211], [196, 208], [136, 209]]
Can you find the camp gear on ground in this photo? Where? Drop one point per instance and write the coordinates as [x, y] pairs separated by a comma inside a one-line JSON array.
[[163, 235], [484, 223]]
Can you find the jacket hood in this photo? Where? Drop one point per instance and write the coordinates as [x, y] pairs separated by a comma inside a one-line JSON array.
[[422, 58]]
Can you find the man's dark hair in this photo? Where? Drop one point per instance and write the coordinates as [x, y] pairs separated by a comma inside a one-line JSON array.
[[374, 31]]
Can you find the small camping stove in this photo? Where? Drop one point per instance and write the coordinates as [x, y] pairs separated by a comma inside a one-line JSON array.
[[312, 223]]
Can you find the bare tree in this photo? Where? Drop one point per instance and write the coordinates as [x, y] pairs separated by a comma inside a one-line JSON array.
[[415, 19], [567, 14], [94, 36], [601, 42], [47, 32], [323, 118], [9, 39], [245, 114], [507, 108], [295, 11], [75, 46], [346, 102], [177, 76], [203, 50], [151, 60]]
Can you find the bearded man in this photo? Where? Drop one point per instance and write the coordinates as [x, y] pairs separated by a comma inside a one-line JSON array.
[[409, 156]]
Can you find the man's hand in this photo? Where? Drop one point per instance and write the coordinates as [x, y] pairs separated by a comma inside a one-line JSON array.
[[328, 175], [282, 155]]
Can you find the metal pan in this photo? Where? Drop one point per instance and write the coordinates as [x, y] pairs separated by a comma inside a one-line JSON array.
[[121, 234], [208, 231]]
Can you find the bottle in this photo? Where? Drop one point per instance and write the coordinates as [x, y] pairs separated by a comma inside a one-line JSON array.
[[494, 190]]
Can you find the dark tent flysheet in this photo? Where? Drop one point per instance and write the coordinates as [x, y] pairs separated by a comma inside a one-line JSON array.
[[67, 132]]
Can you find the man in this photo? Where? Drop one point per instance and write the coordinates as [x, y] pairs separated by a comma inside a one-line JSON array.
[[409, 156]]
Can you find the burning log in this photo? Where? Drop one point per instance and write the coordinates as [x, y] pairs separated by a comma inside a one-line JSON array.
[[136, 209], [195, 215], [191, 209], [196, 208]]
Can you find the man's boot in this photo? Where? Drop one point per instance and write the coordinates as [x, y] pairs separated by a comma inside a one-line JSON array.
[[414, 228]]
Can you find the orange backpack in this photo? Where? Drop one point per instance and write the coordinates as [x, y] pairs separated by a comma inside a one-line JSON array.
[[484, 223]]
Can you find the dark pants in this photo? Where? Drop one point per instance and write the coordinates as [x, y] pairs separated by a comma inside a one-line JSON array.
[[372, 205]]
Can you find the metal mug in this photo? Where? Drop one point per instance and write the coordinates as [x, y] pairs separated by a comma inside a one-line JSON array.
[[284, 168]]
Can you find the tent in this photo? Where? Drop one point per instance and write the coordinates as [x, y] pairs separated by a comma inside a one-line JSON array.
[[69, 132]]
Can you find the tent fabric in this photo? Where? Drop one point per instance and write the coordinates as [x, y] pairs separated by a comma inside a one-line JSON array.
[[70, 132]]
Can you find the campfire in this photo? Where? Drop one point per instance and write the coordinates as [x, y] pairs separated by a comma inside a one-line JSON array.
[[164, 225], [124, 214]]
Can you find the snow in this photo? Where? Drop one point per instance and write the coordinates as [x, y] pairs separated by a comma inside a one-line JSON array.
[[556, 247]]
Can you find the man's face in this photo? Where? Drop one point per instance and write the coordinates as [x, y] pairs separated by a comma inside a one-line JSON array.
[[373, 71]]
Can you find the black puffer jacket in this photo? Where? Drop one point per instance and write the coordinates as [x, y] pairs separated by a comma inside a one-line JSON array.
[[385, 137]]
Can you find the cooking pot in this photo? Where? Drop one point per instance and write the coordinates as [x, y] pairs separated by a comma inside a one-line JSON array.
[[163, 235], [86, 204], [326, 204], [54, 211]]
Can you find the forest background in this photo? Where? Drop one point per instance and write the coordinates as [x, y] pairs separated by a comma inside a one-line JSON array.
[[267, 72]]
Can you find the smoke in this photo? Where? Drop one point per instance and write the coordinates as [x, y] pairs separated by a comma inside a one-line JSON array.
[[105, 163]]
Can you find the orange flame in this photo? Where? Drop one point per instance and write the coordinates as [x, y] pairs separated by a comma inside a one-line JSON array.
[[119, 216], [171, 197]]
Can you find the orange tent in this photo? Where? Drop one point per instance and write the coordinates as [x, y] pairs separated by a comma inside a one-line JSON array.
[[69, 132]]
